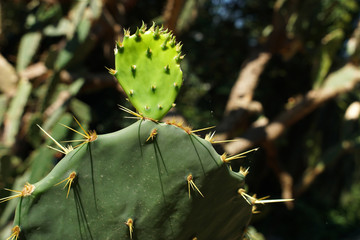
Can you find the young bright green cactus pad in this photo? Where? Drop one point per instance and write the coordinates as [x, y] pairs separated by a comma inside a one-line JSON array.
[[147, 66]]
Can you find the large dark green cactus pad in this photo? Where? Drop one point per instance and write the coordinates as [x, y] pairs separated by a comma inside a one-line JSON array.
[[147, 66], [130, 175]]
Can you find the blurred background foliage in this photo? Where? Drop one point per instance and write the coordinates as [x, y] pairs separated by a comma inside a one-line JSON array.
[[280, 74]]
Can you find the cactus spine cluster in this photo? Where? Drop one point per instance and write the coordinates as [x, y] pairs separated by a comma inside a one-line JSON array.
[[149, 181]]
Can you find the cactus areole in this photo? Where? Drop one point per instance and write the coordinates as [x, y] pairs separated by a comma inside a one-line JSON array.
[[147, 66]]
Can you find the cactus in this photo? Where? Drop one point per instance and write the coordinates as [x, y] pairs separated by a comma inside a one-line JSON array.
[[151, 180], [148, 69]]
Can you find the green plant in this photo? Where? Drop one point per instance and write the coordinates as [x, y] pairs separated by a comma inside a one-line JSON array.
[[148, 69], [151, 180]]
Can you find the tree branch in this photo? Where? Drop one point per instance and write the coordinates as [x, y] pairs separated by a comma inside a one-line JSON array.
[[312, 100], [241, 102], [171, 13]]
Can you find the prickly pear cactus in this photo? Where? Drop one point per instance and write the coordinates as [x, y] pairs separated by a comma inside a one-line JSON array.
[[149, 181], [148, 69], [128, 185]]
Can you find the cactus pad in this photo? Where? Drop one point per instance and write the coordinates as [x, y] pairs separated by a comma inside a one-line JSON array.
[[147, 66], [127, 185]]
